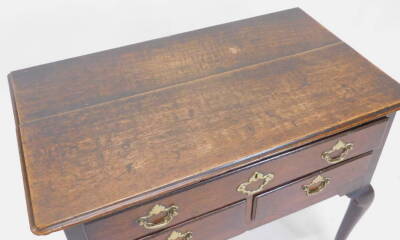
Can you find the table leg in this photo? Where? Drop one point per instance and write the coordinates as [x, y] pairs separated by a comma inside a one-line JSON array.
[[361, 199], [76, 233]]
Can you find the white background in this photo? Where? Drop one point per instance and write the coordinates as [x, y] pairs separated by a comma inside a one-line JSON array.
[[36, 32]]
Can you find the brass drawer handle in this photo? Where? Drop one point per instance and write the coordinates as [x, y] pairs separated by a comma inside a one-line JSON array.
[[255, 178], [169, 214], [316, 186], [340, 146], [178, 235]]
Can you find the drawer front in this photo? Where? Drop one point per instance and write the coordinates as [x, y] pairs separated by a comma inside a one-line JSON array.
[[313, 157], [221, 224], [233, 186], [339, 179]]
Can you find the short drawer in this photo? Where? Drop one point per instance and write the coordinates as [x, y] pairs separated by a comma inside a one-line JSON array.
[[234, 186], [220, 224], [336, 180]]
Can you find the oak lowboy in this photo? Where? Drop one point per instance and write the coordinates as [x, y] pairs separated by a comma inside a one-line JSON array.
[[201, 135]]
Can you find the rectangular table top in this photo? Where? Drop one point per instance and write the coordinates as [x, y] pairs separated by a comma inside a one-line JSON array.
[[104, 131]]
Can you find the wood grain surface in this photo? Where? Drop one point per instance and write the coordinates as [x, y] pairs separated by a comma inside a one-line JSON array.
[[103, 132], [81, 82]]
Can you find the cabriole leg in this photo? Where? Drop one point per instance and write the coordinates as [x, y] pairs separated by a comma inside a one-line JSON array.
[[360, 202]]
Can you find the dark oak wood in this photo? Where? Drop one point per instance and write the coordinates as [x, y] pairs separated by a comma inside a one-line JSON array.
[[285, 167], [289, 198], [136, 69], [361, 200], [104, 137], [379, 149]]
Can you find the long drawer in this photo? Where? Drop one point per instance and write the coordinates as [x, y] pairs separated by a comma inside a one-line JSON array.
[[234, 186]]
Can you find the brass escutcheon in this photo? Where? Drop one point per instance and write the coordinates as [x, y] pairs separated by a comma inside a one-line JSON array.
[[178, 235], [169, 212], [257, 176], [342, 147], [316, 186]]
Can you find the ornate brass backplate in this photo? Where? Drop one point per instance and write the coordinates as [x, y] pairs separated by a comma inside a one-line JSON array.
[[340, 146], [170, 213], [316, 186], [178, 235], [257, 176]]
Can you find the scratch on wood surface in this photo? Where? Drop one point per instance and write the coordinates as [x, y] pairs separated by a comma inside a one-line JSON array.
[[234, 50]]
